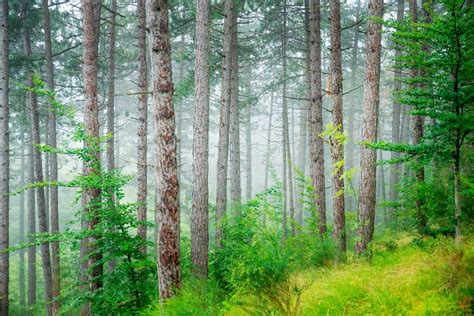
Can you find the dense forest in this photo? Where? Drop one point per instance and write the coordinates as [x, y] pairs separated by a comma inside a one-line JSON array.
[[236, 157]]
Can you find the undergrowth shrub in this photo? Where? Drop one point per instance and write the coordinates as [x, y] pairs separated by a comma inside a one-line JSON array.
[[257, 266], [254, 269]]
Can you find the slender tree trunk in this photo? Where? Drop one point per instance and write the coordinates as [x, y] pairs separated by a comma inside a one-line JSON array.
[[290, 187], [417, 137], [40, 196], [459, 140], [47, 174], [4, 161], [368, 161], [302, 163], [381, 183], [396, 115], [53, 159], [316, 144], [303, 124], [111, 90], [248, 151], [117, 141], [31, 224], [269, 141], [92, 269], [223, 148], [457, 195], [110, 157], [169, 274], [179, 110], [200, 212], [337, 149], [21, 252], [235, 175], [350, 152], [285, 132], [143, 123]]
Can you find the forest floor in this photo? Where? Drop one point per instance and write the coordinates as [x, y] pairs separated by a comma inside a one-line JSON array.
[[406, 277]]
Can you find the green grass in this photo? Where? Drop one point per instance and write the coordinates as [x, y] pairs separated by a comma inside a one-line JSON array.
[[408, 281], [415, 277]]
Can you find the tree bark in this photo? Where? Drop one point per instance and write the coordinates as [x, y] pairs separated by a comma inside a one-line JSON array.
[[418, 128], [168, 263], [21, 252], [285, 133], [179, 110], [382, 197], [350, 152], [40, 195], [111, 90], [143, 123], [223, 148], [396, 115], [92, 270], [200, 207], [4, 161], [53, 159], [337, 149], [234, 125], [248, 151], [269, 140], [31, 224], [316, 144], [303, 124], [366, 216]]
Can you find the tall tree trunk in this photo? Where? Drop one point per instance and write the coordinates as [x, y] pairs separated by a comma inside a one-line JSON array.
[[92, 269], [269, 141], [21, 252], [337, 149], [248, 151], [53, 159], [417, 137], [200, 212], [169, 274], [316, 144], [290, 187], [40, 196], [457, 195], [4, 161], [302, 163], [350, 152], [143, 122], [179, 110], [396, 115], [223, 148], [117, 140], [31, 224], [381, 184], [235, 176], [47, 173], [368, 161], [285, 131], [110, 157], [459, 108], [111, 90], [303, 123]]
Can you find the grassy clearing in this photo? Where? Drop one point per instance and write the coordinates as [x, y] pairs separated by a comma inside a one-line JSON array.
[[435, 277], [404, 277]]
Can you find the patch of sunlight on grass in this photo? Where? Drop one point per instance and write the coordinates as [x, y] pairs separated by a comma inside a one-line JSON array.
[[408, 281]]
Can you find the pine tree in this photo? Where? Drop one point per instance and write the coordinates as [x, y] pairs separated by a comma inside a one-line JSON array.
[[4, 160], [168, 257], [316, 115], [200, 212], [368, 158]]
